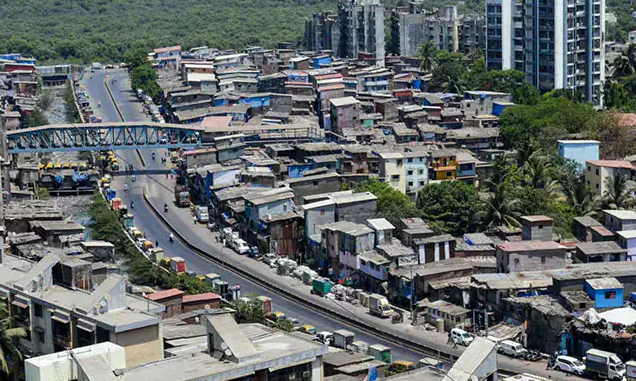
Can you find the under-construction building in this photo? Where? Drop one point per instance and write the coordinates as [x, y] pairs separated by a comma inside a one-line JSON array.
[[414, 25], [358, 27]]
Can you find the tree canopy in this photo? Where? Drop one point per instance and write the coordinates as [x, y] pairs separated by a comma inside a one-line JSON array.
[[103, 30], [449, 206]]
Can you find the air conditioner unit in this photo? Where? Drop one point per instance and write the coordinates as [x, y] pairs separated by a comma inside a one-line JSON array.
[[306, 374], [292, 376]]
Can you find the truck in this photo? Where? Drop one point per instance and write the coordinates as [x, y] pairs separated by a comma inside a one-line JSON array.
[[380, 353], [379, 306], [343, 338], [178, 265], [630, 375], [181, 195], [320, 286], [604, 365], [157, 254], [202, 214], [267, 304]]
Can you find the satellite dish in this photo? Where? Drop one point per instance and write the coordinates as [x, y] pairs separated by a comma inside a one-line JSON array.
[[228, 353], [207, 306], [224, 345]]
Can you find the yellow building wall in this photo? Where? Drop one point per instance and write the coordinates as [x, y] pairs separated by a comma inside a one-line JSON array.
[[142, 345]]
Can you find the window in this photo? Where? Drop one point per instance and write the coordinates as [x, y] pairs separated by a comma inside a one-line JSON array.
[[395, 177], [596, 186], [322, 212], [597, 171], [409, 160], [516, 261], [449, 174], [37, 309], [420, 172], [610, 294], [315, 183], [40, 336], [422, 183], [399, 162], [410, 183], [410, 173]]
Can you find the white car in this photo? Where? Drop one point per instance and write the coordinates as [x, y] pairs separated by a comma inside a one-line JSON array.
[[324, 337], [569, 364], [241, 246], [461, 337]]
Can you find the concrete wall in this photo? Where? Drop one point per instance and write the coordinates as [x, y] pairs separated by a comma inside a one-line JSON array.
[[311, 187], [530, 260], [319, 217], [142, 345], [358, 212]]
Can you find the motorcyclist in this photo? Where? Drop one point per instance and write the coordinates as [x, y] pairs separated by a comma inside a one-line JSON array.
[[99, 104], [153, 156], [125, 187], [132, 205], [171, 238], [165, 207]]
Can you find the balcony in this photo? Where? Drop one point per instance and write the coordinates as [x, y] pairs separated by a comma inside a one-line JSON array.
[[62, 341]]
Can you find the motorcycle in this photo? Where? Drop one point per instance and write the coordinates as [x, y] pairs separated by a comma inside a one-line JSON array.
[[397, 318], [532, 355]]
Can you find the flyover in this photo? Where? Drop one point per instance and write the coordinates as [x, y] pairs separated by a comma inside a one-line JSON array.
[[103, 136]]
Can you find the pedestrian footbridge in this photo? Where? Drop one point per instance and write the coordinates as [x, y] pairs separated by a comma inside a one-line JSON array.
[[103, 136]]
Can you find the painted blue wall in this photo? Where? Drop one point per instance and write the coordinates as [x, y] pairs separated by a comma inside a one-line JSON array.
[[579, 151], [321, 61], [600, 299], [295, 170], [469, 171]]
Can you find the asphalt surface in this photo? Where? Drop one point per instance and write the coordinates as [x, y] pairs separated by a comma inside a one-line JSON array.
[[148, 223]]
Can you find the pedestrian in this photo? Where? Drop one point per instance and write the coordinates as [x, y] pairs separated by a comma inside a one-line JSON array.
[[156, 243], [166, 176], [450, 338], [455, 343]]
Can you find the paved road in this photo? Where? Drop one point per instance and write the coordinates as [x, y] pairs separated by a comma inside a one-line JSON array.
[[155, 230]]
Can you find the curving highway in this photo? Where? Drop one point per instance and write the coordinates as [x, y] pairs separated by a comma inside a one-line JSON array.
[[148, 223]]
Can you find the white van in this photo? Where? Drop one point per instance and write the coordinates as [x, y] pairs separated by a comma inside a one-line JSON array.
[[461, 337], [324, 337], [511, 348]]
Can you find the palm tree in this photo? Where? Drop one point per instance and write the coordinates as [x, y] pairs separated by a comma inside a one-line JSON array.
[[524, 152], [622, 67], [427, 54], [500, 209], [10, 355], [618, 192], [535, 170], [581, 199]]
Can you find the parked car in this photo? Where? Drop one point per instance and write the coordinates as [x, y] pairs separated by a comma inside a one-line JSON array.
[[324, 337], [569, 364], [461, 337], [309, 329], [512, 349], [295, 322]]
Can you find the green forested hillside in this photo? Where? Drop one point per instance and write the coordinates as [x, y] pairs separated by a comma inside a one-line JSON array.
[[102, 30]]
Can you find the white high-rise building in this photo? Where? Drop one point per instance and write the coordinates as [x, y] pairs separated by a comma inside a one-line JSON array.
[[557, 43]]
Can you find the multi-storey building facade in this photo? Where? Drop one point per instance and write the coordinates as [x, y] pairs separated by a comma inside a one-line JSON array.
[[449, 31], [357, 28], [559, 44]]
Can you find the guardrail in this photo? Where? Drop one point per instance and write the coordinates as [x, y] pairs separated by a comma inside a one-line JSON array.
[[300, 299]]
